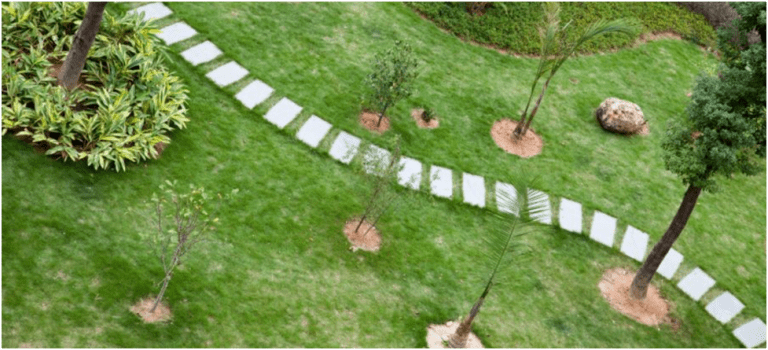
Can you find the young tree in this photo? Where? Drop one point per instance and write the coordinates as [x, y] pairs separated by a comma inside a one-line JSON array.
[[81, 44], [382, 172], [729, 113], [556, 48], [392, 77]]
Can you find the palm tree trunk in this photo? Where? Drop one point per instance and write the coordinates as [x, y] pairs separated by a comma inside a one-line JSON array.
[[643, 277], [536, 107], [459, 338], [86, 34]]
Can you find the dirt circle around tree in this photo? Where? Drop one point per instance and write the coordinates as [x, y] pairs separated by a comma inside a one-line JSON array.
[[366, 237], [528, 146], [162, 312], [614, 287], [369, 120], [416, 115], [437, 334]]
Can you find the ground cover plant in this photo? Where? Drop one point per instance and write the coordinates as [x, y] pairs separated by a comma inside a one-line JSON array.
[[65, 265]]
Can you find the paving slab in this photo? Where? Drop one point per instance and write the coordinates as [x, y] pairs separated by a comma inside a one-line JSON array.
[[283, 112], [544, 217], [603, 228], [254, 93], [696, 284], [671, 262], [506, 192], [570, 215], [634, 244], [176, 32], [724, 307], [344, 147], [313, 131], [410, 173], [441, 181], [201, 53], [154, 10], [473, 189], [376, 160], [227, 74], [752, 333]]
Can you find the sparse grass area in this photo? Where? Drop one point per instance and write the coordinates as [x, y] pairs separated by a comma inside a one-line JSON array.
[[279, 273]]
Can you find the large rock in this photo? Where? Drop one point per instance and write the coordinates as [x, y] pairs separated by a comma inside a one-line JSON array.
[[620, 116]]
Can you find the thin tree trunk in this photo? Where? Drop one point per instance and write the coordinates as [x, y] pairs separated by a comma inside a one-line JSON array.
[[459, 338], [643, 277], [162, 291], [75, 61], [536, 107], [381, 115]]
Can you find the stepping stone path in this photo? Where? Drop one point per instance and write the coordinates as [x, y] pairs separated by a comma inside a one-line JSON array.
[[376, 160], [176, 32], [504, 192], [696, 284], [473, 187], [669, 265], [634, 244], [545, 217], [752, 333], [570, 215], [410, 173], [724, 307], [254, 93], [152, 11], [313, 131], [283, 112], [441, 182], [344, 147], [201, 53], [227, 74], [603, 228]]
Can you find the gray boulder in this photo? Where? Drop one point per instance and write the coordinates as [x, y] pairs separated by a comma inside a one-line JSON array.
[[620, 116]]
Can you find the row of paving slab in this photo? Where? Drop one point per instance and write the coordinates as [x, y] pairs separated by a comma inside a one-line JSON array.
[[346, 147]]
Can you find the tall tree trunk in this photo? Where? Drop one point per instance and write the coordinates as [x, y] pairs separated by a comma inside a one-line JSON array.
[[75, 61], [645, 274], [459, 338]]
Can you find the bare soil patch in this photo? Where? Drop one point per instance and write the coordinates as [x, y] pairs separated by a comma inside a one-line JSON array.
[[161, 314], [652, 311], [369, 120], [366, 237], [528, 146], [438, 334], [416, 115]]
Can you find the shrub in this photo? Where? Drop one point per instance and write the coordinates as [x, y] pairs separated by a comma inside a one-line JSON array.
[[428, 114], [126, 102]]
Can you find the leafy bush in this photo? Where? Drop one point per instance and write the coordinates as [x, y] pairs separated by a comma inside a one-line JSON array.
[[428, 114], [125, 104], [512, 25]]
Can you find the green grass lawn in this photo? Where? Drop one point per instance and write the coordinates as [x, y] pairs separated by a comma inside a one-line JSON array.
[[279, 272]]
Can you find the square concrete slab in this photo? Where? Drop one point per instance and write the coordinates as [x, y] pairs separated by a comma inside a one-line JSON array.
[[544, 217], [376, 160], [152, 11], [669, 265], [201, 53], [410, 173], [506, 198], [751, 334], [227, 74], [570, 215], [176, 32], [283, 112], [473, 189], [724, 307], [254, 93], [696, 284], [634, 244], [344, 147], [441, 181], [603, 228], [313, 131]]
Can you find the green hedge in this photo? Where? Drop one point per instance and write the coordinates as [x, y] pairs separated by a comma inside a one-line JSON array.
[[513, 25], [127, 102]]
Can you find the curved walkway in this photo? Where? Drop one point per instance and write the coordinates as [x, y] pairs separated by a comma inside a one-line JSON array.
[[346, 147]]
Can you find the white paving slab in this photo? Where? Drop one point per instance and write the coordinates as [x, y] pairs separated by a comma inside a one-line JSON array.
[[344, 147], [227, 74], [313, 131], [752, 333], [504, 192], [254, 93], [176, 32], [283, 112], [544, 217], [724, 307], [473, 189], [570, 215], [603, 228], [201, 53], [152, 11], [441, 181], [696, 284], [634, 244], [376, 160], [671, 262], [410, 173]]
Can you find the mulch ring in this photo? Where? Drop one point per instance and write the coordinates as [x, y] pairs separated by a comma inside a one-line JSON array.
[[527, 146], [369, 120], [366, 237]]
